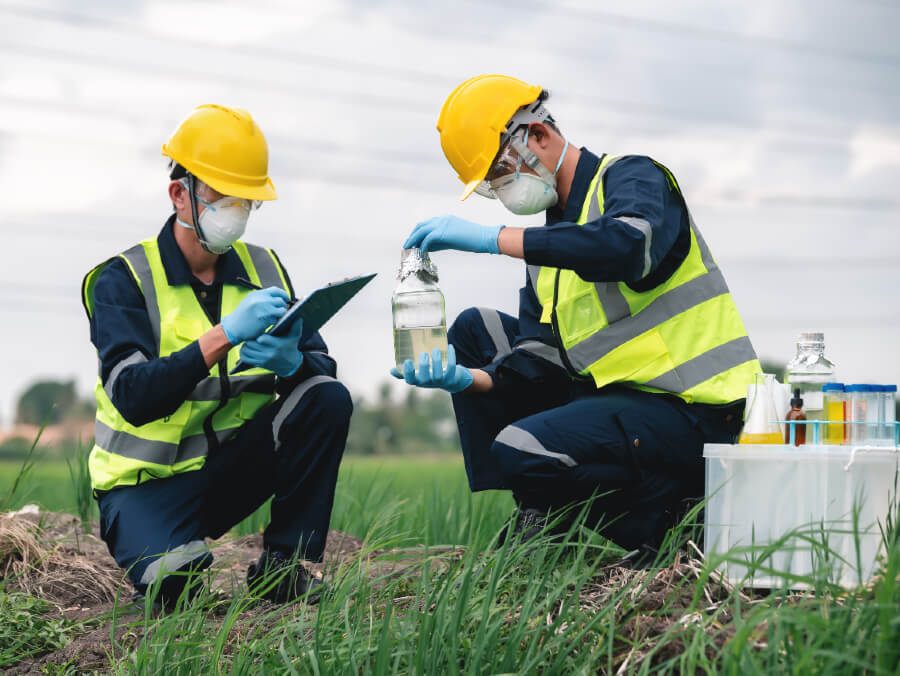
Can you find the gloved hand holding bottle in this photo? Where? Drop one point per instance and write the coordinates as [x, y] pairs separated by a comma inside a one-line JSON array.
[[279, 354], [257, 312], [452, 232], [452, 379]]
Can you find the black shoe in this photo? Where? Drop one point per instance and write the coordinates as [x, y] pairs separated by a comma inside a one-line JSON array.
[[641, 558], [531, 522], [280, 578]]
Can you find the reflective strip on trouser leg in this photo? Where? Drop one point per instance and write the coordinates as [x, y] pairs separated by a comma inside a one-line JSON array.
[[494, 327], [174, 559], [290, 403], [521, 440], [542, 350]]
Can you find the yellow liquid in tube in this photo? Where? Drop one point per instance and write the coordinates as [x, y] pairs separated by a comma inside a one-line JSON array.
[[764, 438]]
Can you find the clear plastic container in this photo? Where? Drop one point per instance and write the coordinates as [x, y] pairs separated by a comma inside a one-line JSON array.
[[835, 412], [829, 503], [420, 324], [809, 370]]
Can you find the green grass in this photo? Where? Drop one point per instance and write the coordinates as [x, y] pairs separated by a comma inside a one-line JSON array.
[[488, 609]]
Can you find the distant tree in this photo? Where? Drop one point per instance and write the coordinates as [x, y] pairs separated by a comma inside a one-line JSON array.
[[50, 402]]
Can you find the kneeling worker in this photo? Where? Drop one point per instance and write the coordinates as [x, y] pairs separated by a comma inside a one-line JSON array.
[[183, 450], [628, 353]]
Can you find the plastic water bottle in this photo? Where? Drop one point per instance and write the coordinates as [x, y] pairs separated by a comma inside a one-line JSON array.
[[420, 324], [808, 371]]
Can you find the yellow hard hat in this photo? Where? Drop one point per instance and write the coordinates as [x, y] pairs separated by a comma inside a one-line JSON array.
[[473, 118], [224, 148]]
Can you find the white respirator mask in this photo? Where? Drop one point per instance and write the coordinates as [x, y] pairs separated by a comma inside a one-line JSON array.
[[524, 193], [222, 222]]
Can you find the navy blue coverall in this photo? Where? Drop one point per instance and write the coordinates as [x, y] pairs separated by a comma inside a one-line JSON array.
[[309, 420], [554, 440]]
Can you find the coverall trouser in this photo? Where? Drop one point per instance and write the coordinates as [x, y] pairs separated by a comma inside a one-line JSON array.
[[638, 454], [290, 450]]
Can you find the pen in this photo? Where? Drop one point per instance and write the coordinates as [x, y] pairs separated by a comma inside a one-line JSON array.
[[243, 281]]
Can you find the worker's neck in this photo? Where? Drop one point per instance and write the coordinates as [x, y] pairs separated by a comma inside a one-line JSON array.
[[566, 175], [201, 262]]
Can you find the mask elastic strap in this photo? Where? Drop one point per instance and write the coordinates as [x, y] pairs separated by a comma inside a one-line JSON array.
[[562, 156], [531, 160], [191, 186]]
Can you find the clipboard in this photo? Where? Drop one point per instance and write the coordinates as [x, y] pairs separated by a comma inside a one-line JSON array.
[[316, 309]]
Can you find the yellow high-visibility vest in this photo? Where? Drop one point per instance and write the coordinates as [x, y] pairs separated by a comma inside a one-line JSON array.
[[683, 337], [124, 454]]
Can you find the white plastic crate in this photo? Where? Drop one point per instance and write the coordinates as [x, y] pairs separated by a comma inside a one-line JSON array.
[[757, 494]]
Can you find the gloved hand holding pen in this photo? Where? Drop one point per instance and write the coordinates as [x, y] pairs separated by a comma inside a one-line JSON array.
[[452, 379], [257, 312], [279, 354]]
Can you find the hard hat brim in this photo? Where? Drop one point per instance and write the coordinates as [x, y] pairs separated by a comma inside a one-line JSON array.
[[469, 189]]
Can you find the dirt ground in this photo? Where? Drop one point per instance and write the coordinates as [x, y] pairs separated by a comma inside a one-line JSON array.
[[79, 578]]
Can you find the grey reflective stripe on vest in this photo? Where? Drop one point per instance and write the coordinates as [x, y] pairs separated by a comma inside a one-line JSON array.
[[644, 228], [135, 357], [680, 299], [148, 450], [704, 366], [174, 559], [265, 266], [137, 257], [210, 389], [494, 328], [615, 306], [542, 350], [522, 440], [291, 401]]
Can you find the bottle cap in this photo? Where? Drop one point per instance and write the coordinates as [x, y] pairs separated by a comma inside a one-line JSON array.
[[890, 388], [855, 388], [796, 401], [833, 387], [812, 337]]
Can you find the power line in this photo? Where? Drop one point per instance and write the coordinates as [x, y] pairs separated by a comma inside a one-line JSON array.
[[347, 65], [717, 34]]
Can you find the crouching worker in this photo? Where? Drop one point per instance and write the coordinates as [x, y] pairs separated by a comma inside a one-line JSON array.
[[183, 448], [628, 353]]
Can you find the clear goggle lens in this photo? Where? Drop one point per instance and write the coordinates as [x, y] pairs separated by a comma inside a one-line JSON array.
[[222, 202]]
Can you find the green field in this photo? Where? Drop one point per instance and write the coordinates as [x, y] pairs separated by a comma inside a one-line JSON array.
[[483, 609]]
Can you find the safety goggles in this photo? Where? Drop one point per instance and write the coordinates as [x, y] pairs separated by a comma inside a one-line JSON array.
[[512, 158], [224, 201]]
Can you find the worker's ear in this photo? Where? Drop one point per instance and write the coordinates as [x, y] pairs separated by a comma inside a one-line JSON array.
[[178, 195], [540, 133]]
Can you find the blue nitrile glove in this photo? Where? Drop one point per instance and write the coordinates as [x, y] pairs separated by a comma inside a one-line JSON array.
[[450, 232], [453, 379], [279, 354], [257, 312]]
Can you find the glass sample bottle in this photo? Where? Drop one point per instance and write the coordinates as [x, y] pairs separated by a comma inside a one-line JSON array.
[[420, 324], [890, 413], [796, 413], [761, 426], [808, 371]]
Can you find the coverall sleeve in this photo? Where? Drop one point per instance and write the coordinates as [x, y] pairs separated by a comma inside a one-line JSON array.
[[142, 387], [643, 215]]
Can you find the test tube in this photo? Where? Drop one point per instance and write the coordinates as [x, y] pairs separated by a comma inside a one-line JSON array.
[[857, 400], [835, 410], [890, 413]]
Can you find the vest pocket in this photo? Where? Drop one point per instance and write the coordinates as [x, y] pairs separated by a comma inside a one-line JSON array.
[[187, 329], [179, 416], [579, 315]]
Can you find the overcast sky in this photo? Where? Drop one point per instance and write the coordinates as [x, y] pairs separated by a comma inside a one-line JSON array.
[[780, 120]]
